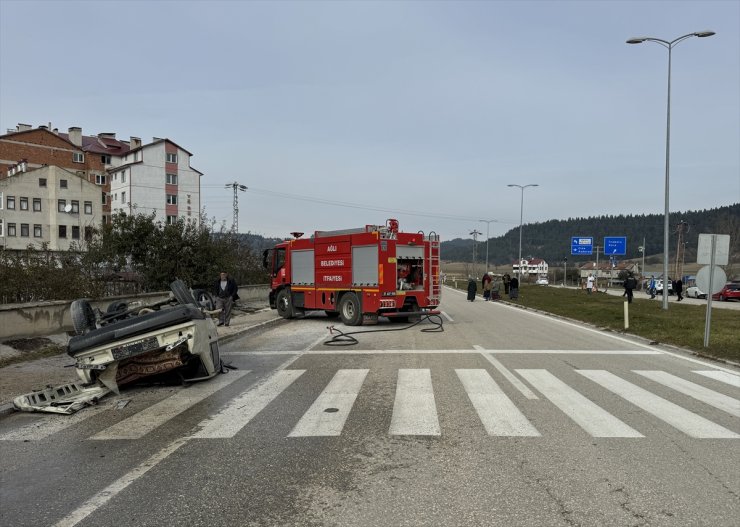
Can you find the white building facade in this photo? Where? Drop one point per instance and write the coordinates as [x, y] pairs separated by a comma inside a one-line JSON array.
[[157, 177], [536, 266], [48, 206]]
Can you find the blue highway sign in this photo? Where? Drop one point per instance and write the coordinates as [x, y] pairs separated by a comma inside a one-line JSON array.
[[615, 245], [581, 245]]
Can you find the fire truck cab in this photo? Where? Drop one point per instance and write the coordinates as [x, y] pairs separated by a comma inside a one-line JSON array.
[[356, 274]]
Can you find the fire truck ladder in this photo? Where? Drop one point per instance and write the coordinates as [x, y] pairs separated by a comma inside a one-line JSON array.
[[432, 268]]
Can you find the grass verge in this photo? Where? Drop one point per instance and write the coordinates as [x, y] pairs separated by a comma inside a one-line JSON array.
[[680, 325]]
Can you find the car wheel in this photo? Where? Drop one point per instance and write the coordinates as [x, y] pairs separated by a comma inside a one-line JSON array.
[[83, 316], [722, 298], [349, 310], [284, 304]]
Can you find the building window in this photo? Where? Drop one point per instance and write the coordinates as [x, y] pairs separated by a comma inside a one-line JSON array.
[[11, 202], [37, 231], [88, 207], [11, 229], [171, 199], [123, 197], [2, 232], [171, 179], [171, 220], [172, 158], [61, 203], [75, 232], [37, 204], [75, 207], [24, 203], [103, 201], [62, 183], [42, 182], [24, 230], [62, 231], [100, 179], [123, 177], [78, 157], [2, 201], [88, 233], [105, 159]]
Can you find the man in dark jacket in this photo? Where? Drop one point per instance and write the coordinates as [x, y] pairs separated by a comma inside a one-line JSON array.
[[472, 289], [225, 290], [629, 285]]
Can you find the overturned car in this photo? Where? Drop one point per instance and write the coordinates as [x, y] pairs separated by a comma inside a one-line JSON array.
[[127, 344]]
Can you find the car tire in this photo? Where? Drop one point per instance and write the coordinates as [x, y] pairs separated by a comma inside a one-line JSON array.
[[350, 311], [182, 293], [83, 316]]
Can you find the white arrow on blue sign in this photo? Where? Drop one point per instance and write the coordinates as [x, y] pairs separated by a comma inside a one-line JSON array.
[[581, 245]]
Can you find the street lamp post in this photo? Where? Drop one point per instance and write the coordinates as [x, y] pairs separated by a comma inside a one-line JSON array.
[[475, 235], [488, 224], [521, 218], [669, 46]]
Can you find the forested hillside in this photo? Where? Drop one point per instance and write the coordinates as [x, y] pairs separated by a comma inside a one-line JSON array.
[[551, 240]]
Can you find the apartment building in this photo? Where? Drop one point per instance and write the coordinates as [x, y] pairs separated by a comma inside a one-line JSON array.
[[131, 176], [47, 205], [157, 177], [536, 266]]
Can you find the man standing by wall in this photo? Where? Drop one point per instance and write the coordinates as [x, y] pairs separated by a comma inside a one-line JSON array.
[[225, 290]]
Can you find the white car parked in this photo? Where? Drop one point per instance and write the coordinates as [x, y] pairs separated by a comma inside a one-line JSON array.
[[695, 292]]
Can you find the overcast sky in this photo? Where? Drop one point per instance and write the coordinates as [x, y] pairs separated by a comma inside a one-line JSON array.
[[423, 111]]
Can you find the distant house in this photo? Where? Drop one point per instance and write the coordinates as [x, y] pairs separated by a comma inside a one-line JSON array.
[[606, 270], [536, 266]]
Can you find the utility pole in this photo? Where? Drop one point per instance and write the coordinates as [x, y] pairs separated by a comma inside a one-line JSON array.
[[681, 228], [236, 186], [475, 235]]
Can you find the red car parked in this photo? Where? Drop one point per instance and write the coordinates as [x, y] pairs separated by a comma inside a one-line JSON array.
[[730, 291]]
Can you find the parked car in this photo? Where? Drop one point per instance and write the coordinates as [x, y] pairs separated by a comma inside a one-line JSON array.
[[731, 291], [695, 292], [542, 281], [659, 287]]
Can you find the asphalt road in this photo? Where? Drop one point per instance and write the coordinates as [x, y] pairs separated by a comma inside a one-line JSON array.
[[507, 417]]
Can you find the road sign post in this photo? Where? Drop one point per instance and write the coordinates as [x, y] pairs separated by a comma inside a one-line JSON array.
[[580, 245], [615, 245]]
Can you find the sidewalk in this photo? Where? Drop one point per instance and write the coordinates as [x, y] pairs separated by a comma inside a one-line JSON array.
[[24, 377]]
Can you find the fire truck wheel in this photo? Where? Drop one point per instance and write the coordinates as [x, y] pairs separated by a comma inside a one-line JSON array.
[[349, 310], [414, 308], [284, 304]]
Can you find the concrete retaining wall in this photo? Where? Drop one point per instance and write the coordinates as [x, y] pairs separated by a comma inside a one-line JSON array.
[[48, 318]]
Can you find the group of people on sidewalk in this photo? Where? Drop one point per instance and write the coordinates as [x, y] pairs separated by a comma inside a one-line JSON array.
[[492, 286]]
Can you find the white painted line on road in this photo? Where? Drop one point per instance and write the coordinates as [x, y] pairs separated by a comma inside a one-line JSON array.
[[329, 412], [589, 416], [705, 395], [50, 424], [452, 352], [112, 490], [610, 335], [141, 423], [448, 317], [241, 410], [519, 385], [414, 410], [497, 412], [676, 416], [722, 376]]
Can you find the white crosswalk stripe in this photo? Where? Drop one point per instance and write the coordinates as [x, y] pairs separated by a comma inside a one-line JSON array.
[[141, 423], [727, 378], [589, 416], [328, 413], [414, 410], [705, 395], [497, 412], [241, 410], [676, 416]]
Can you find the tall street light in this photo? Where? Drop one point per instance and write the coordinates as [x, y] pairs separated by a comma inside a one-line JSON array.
[[521, 217], [669, 46], [488, 224]]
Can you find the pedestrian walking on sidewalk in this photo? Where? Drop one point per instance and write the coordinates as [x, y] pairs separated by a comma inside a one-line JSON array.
[[225, 290], [472, 289]]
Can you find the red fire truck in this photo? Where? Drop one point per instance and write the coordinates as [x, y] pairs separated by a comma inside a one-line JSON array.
[[356, 274]]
